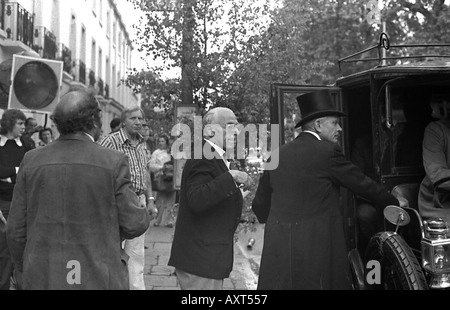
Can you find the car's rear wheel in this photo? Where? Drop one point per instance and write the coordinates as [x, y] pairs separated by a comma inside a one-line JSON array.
[[400, 269]]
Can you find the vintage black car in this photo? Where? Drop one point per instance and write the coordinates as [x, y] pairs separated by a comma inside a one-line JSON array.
[[388, 108]]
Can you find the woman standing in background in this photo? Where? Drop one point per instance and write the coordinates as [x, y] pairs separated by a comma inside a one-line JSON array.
[[46, 137], [165, 199]]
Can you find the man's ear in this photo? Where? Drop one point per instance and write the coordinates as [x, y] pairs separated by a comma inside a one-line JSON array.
[[317, 125], [95, 122], [209, 131]]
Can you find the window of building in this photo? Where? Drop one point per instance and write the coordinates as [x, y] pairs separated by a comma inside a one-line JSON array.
[[73, 36], [82, 64], [114, 32], [108, 23], [108, 72], [93, 55], [94, 7], [114, 81], [100, 63], [83, 44], [119, 48]]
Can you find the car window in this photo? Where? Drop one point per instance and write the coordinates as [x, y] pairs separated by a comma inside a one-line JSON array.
[[411, 113]]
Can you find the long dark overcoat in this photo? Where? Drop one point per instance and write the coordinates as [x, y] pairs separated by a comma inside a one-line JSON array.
[[304, 243], [72, 205]]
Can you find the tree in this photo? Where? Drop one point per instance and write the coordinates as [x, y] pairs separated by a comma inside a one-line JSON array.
[[185, 35], [424, 21], [301, 45], [158, 98]]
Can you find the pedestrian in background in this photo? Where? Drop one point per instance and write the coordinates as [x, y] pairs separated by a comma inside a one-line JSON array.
[[161, 162], [46, 137], [304, 242], [31, 127], [12, 150], [129, 141], [210, 209]]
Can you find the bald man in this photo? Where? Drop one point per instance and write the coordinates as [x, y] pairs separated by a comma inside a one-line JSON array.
[[210, 209], [73, 204]]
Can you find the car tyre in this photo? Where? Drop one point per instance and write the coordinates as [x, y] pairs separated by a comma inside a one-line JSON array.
[[400, 269]]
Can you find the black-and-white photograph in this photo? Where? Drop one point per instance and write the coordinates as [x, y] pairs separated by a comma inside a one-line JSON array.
[[232, 147]]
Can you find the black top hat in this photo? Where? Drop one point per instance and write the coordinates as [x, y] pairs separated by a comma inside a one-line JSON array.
[[316, 105]]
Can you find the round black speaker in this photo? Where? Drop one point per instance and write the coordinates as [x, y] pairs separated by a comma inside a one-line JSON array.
[[35, 85]]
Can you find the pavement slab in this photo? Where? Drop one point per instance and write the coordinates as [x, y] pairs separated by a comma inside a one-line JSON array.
[[159, 276]]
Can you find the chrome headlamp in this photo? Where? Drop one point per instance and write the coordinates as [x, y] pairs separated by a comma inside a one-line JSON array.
[[436, 253]]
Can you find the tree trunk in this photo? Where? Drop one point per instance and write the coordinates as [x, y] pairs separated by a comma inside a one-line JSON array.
[[187, 59]]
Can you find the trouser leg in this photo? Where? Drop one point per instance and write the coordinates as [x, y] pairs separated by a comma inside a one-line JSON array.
[[6, 266]]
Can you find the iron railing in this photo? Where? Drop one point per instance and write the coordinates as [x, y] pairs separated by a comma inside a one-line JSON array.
[[19, 23], [384, 45], [2, 15], [45, 43]]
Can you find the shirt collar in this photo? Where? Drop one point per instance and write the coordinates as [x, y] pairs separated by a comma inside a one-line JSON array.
[[220, 151], [123, 137], [314, 134], [4, 139], [90, 137], [217, 148]]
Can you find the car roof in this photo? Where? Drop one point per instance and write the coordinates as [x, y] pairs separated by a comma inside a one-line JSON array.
[[392, 71]]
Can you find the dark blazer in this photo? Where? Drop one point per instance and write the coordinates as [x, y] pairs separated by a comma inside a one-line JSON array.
[[73, 202], [304, 243], [209, 213]]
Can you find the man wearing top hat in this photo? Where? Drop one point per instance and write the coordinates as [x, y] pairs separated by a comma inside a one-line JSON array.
[[304, 243]]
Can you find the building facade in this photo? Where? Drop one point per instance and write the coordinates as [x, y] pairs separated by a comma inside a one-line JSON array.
[[89, 36]]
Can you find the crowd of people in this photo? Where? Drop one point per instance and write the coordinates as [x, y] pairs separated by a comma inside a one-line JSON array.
[[74, 211], [92, 207]]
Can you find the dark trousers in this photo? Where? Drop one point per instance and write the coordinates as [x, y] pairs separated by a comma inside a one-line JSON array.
[[6, 266]]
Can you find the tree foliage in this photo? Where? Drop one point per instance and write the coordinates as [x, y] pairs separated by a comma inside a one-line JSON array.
[[158, 98], [238, 48], [241, 46], [424, 21]]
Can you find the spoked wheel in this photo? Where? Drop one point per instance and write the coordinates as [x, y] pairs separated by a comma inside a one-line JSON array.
[[400, 269]]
